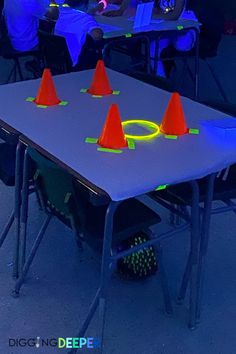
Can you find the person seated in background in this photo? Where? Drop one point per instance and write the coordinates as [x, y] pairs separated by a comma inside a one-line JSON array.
[[22, 21], [167, 10], [163, 9], [74, 26], [211, 16], [182, 42]]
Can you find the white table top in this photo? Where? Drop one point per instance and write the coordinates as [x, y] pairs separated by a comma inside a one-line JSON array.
[[61, 132]]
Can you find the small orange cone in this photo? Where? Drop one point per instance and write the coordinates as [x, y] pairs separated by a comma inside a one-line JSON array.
[[173, 122], [47, 95], [100, 84], [113, 136]]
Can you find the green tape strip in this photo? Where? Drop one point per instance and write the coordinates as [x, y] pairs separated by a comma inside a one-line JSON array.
[[110, 150], [131, 144], [193, 131], [180, 27], [41, 106], [173, 137], [128, 35], [97, 96], [83, 90], [91, 140], [116, 92], [63, 103], [161, 187], [30, 99]]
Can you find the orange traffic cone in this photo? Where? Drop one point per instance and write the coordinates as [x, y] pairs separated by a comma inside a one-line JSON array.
[[100, 84], [47, 95], [113, 136], [173, 122]]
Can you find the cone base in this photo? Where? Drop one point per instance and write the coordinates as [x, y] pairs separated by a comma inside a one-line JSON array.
[[56, 102], [112, 146], [173, 132], [92, 92]]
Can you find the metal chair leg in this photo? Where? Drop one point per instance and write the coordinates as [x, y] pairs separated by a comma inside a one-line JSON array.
[[185, 281], [18, 183], [78, 239], [6, 229], [217, 81], [31, 256], [197, 58], [17, 61], [12, 72], [164, 282]]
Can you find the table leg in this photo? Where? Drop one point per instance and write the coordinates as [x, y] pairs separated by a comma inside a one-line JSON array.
[[24, 211], [18, 184], [195, 238], [101, 295], [205, 231], [6, 229], [196, 88]]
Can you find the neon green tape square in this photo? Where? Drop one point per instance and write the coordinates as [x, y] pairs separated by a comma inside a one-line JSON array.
[[161, 187], [180, 27], [83, 90], [41, 106], [116, 92], [91, 140], [193, 131], [63, 103], [110, 150], [97, 96], [173, 137], [128, 35], [131, 144], [30, 99]]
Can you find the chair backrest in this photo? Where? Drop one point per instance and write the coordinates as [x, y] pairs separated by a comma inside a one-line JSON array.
[[5, 43], [211, 15], [53, 183], [59, 191], [55, 52]]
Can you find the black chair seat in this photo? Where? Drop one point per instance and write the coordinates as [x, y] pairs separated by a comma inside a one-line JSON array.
[[131, 216]]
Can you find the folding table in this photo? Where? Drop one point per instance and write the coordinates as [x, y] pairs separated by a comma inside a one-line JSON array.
[[59, 132], [120, 31]]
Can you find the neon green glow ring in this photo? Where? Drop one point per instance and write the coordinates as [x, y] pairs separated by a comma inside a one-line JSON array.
[[144, 123]]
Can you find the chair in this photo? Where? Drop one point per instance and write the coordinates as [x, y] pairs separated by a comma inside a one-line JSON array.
[[211, 16], [7, 176], [11, 160], [153, 80], [82, 211], [55, 53], [9, 53], [179, 197]]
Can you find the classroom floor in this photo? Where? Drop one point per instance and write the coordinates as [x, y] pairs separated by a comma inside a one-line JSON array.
[[62, 281]]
